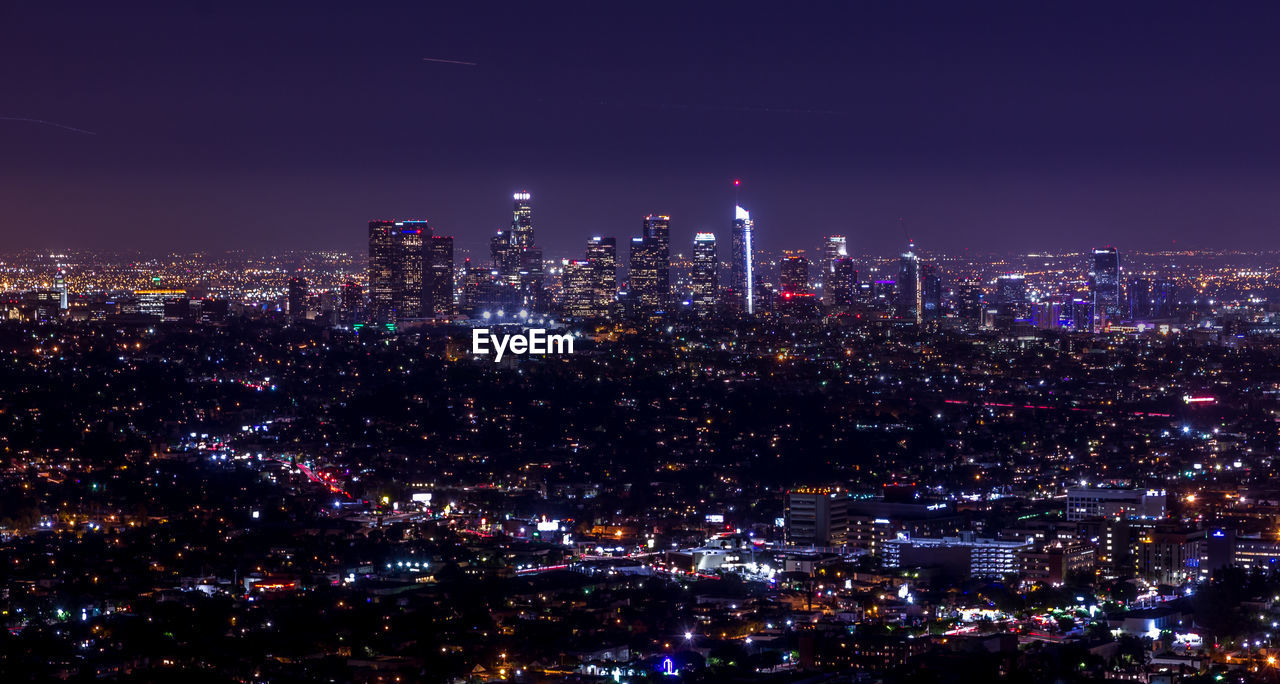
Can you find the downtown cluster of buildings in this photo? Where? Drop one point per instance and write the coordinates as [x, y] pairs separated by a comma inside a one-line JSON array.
[[411, 276], [406, 262]]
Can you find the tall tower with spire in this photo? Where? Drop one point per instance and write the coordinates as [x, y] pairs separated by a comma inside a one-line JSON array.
[[742, 259]]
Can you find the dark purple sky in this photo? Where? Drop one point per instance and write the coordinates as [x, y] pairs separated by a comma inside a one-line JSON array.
[[270, 125]]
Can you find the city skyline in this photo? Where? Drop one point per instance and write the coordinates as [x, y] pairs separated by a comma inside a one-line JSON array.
[[695, 343]]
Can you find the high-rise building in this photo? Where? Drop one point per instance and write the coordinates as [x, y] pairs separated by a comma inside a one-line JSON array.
[[396, 262], [649, 281], [930, 292], [742, 261], [642, 276], [440, 287], [970, 300], [793, 273], [529, 271], [60, 284], [834, 247], [840, 286], [1011, 295], [351, 301], [298, 298], [579, 290], [1048, 314], [1105, 280], [486, 295], [517, 261], [1164, 298], [908, 306], [602, 255], [1081, 315], [475, 279], [522, 220], [1140, 304], [1151, 298], [504, 254], [704, 278], [352, 295]]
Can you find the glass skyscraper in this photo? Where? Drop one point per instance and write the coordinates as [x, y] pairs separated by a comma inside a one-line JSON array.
[[396, 269], [1105, 279], [704, 278], [650, 265], [742, 262]]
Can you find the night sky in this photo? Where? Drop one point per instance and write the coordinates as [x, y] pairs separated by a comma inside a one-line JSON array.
[[271, 125]]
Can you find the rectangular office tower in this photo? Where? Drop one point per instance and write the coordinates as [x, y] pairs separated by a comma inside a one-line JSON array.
[[816, 517], [742, 262], [440, 280], [970, 300], [930, 292], [298, 298], [704, 277], [396, 262], [650, 277], [1105, 280], [578, 298], [836, 247], [840, 285], [602, 257], [1011, 295], [908, 305], [793, 273]]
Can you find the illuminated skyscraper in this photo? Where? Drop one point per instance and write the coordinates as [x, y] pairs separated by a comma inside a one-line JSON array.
[[1140, 298], [529, 271], [970, 300], [579, 290], [475, 280], [1011, 295], [504, 255], [396, 262], [517, 261], [908, 304], [440, 287], [60, 284], [602, 256], [522, 220], [835, 247], [1164, 298], [642, 278], [650, 266], [793, 273], [351, 302], [704, 278], [930, 292], [297, 298], [1105, 280], [840, 286], [742, 262]]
